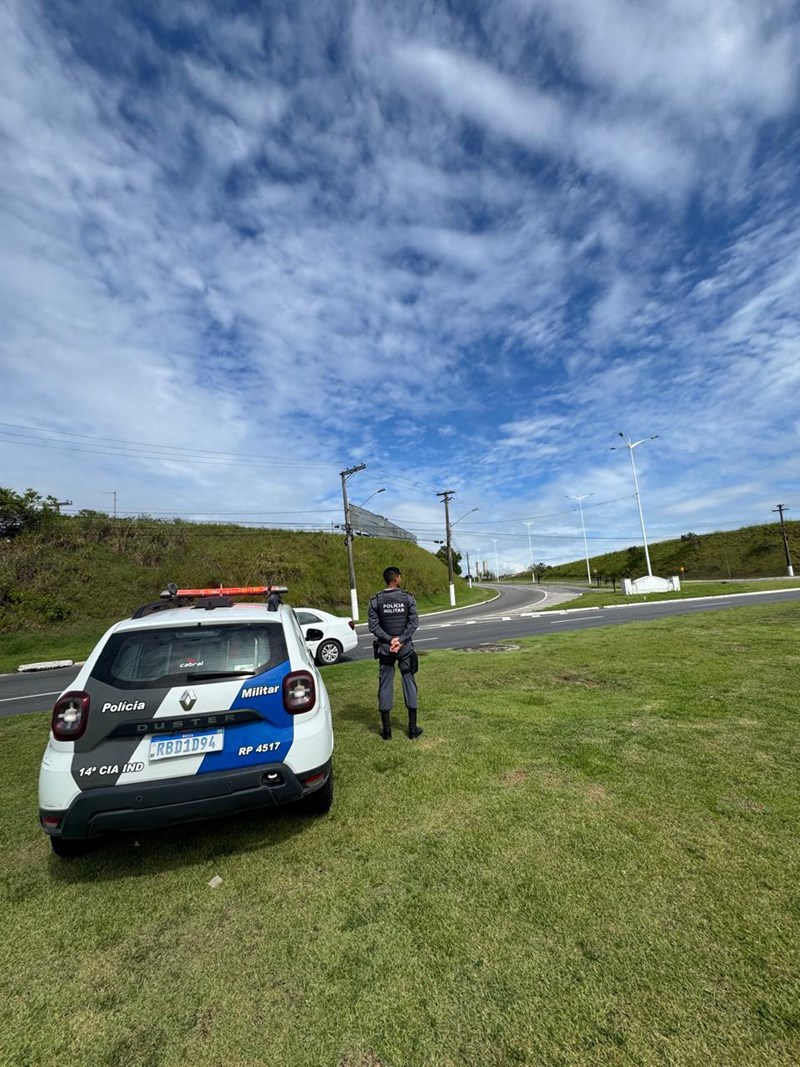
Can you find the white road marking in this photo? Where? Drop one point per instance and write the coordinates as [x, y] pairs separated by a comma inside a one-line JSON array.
[[31, 696], [419, 640]]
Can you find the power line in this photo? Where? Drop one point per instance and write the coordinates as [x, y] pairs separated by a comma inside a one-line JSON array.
[[100, 446]]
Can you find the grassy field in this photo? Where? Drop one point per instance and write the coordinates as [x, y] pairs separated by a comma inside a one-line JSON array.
[[603, 598], [589, 858]]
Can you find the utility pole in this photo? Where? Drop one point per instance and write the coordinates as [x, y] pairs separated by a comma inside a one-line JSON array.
[[62, 504], [447, 496], [348, 538], [789, 568]]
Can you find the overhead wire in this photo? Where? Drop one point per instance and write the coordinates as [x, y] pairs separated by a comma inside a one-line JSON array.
[[90, 445]]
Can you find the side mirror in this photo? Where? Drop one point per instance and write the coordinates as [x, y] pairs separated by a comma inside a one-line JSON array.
[[314, 635]]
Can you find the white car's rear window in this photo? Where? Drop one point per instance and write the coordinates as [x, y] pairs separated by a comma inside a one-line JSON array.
[[167, 656]]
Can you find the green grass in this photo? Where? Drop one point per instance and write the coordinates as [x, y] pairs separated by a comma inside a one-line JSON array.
[[589, 858], [602, 598]]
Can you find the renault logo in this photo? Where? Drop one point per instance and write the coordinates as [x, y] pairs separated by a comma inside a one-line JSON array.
[[188, 700]]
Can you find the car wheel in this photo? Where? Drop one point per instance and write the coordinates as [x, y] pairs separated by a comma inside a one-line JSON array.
[[318, 802], [69, 849], [329, 652]]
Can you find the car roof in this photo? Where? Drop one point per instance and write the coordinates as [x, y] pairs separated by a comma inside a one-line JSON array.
[[199, 616]]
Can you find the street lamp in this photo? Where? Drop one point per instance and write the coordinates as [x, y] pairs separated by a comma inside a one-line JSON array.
[[583, 528], [363, 502], [630, 445], [530, 546], [496, 561]]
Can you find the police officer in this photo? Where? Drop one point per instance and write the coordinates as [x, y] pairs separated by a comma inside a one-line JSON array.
[[392, 620]]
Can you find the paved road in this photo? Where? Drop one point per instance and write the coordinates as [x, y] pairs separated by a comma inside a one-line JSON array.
[[513, 614]]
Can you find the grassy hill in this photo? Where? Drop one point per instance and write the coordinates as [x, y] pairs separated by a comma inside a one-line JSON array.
[[750, 552], [61, 585]]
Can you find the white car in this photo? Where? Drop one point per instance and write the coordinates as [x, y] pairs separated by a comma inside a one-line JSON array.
[[194, 707], [328, 636]]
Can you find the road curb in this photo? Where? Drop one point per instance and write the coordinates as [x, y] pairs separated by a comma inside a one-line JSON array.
[[48, 665]]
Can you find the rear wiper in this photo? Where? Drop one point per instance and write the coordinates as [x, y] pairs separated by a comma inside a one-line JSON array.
[[220, 674]]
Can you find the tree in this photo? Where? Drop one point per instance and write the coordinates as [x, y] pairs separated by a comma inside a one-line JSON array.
[[24, 511], [442, 555], [538, 570], [634, 562]]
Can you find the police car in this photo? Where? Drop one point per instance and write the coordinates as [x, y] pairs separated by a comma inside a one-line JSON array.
[[196, 706]]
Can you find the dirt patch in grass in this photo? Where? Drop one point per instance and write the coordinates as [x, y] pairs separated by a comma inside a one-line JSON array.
[[573, 678], [597, 793], [741, 806], [369, 1059], [515, 777], [489, 648]]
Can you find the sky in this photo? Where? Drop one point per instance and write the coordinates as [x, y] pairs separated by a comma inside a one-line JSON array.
[[249, 245]]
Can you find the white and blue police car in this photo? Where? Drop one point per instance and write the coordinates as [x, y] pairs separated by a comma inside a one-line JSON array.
[[194, 707]]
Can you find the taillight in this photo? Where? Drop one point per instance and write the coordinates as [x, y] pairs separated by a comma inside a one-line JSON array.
[[351, 624], [299, 692], [70, 716]]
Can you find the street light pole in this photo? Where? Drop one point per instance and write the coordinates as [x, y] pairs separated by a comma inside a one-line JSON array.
[[371, 495], [348, 538], [496, 560], [630, 445], [530, 546], [580, 499]]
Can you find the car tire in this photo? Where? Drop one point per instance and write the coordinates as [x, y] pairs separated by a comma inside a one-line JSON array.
[[319, 802], [67, 849], [329, 652]]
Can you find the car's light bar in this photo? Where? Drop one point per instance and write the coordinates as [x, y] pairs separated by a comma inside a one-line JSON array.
[[226, 590]]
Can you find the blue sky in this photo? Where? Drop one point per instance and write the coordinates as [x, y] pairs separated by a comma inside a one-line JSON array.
[[247, 245]]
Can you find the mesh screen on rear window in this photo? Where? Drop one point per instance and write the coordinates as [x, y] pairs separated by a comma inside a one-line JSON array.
[[166, 656]]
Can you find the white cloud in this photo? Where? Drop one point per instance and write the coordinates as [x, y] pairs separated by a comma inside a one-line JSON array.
[[633, 151], [300, 233], [701, 60]]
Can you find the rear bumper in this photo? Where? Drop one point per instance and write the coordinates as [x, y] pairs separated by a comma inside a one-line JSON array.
[[148, 805]]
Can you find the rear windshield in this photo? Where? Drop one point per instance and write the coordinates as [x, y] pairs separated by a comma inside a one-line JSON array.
[[166, 656]]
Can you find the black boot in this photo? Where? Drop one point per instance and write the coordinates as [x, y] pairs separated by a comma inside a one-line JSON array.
[[413, 729], [386, 724]]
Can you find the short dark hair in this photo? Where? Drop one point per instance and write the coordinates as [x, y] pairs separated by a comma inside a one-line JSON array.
[[391, 572]]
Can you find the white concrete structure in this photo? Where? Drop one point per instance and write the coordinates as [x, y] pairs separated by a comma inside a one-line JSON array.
[[649, 583]]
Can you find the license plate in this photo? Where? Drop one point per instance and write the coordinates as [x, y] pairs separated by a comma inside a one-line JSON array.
[[186, 745]]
